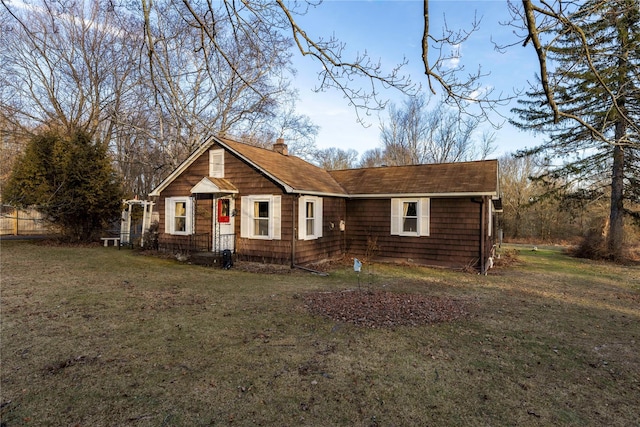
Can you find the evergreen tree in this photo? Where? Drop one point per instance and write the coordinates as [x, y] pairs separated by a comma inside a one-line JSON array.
[[69, 179], [593, 91]]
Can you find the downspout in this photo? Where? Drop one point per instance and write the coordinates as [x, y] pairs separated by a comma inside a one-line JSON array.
[[483, 239], [293, 239], [482, 232], [294, 203]]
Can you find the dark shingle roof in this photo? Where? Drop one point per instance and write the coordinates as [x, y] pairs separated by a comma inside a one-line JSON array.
[[479, 177], [297, 174]]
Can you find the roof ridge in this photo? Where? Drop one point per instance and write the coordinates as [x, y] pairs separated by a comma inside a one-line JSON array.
[[414, 165]]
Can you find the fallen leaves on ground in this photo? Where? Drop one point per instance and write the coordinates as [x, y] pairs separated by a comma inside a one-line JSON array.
[[377, 309]]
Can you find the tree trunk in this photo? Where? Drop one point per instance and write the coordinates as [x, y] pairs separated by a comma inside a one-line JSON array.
[[615, 238], [615, 235]]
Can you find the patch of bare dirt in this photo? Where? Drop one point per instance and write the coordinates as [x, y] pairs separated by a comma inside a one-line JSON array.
[[263, 268], [380, 309], [324, 266]]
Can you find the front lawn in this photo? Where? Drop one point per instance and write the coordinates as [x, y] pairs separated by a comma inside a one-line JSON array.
[[101, 337]]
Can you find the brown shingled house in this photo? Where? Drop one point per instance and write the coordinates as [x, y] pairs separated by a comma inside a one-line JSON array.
[[267, 206]]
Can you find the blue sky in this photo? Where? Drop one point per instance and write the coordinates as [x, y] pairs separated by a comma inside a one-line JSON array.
[[391, 30]]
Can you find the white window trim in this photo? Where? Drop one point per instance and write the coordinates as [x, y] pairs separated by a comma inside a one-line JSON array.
[[302, 217], [216, 163], [247, 224], [170, 214], [423, 210]]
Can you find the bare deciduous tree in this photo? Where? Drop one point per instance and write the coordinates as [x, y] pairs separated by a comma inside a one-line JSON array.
[[297, 130], [261, 23], [518, 191], [336, 158], [73, 66], [67, 65], [413, 134], [84, 65], [372, 158], [209, 75]]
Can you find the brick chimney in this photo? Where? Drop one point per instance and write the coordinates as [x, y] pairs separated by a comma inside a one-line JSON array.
[[281, 147]]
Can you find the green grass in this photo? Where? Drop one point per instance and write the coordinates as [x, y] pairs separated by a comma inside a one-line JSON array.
[[101, 337]]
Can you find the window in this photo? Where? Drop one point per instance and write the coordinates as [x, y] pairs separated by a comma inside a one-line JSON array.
[[311, 225], [260, 217], [178, 215], [309, 218], [224, 210], [216, 163], [410, 217]]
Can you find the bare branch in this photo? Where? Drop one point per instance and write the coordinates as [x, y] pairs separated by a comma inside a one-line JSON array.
[[542, 56], [569, 24]]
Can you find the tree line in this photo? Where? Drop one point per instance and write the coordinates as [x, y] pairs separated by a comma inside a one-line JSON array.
[[147, 80], [141, 80]]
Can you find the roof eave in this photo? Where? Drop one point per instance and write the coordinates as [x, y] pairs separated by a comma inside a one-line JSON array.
[[407, 195], [320, 193]]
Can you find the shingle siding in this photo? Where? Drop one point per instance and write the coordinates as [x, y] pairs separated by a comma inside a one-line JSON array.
[[331, 244], [454, 238]]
